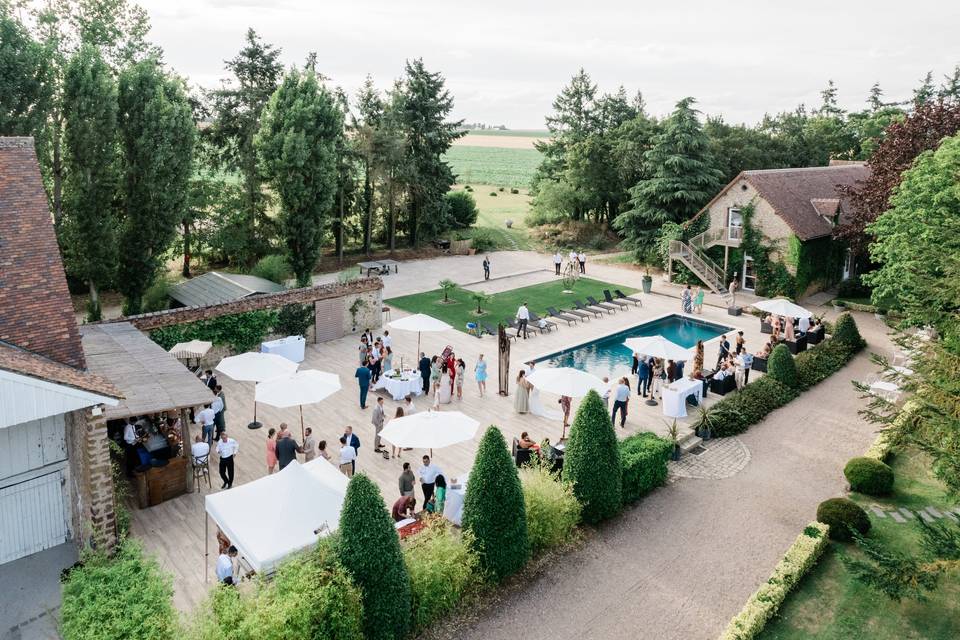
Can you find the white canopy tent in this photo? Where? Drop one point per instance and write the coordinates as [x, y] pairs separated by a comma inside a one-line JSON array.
[[269, 519], [419, 322], [782, 307], [191, 349]]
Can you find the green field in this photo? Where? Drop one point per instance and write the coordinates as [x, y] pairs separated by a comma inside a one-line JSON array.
[[463, 309], [511, 133], [493, 165], [830, 605]]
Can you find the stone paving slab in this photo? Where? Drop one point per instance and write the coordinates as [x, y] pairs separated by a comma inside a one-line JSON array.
[[878, 511], [926, 516], [723, 458], [897, 517], [906, 513], [932, 511]]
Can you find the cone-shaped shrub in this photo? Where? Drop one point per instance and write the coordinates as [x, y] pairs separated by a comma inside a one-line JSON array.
[[781, 367], [370, 552], [591, 461], [494, 511], [845, 330]]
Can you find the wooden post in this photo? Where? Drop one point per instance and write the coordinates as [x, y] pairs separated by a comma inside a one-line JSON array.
[[187, 443], [726, 258], [503, 351], [669, 269]]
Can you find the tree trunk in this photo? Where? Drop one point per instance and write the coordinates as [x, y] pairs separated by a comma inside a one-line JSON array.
[[186, 249], [368, 217], [340, 229], [393, 218], [57, 174], [503, 361], [94, 298]]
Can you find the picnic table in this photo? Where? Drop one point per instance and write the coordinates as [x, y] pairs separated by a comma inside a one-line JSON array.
[[382, 267]]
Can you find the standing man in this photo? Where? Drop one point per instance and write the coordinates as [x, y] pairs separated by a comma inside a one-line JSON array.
[[348, 458], [377, 422], [353, 441], [733, 292], [225, 566], [309, 447], [486, 268], [574, 256], [428, 476], [206, 417], [643, 377], [227, 448], [218, 406], [287, 449], [211, 379], [363, 378], [724, 350], [523, 317], [621, 397], [387, 340], [747, 358], [424, 368], [557, 261], [582, 259]]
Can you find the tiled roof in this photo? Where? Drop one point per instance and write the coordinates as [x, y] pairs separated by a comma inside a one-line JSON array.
[[35, 366], [36, 313], [215, 287], [793, 192]]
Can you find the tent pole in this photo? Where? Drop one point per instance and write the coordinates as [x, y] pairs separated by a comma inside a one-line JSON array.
[[206, 547], [303, 434]]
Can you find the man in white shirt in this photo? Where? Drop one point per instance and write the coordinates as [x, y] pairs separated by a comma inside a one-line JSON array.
[[217, 406], [225, 566], [206, 417], [428, 476], [804, 325], [621, 397], [227, 450], [557, 261], [199, 449], [348, 456], [387, 340], [573, 256], [408, 407], [523, 317], [582, 259]]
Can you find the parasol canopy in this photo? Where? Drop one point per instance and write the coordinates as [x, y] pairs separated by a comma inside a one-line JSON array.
[[192, 349], [658, 347], [256, 367], [565, 381], [430, 429], [782, 307]]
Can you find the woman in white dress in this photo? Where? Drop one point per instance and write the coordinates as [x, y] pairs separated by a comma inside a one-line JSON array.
[[444, 389], [535, 403]]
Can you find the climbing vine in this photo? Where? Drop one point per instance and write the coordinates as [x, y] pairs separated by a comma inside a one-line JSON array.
[[773, 279]]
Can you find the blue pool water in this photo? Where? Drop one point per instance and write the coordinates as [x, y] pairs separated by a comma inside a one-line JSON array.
[[608, 357]]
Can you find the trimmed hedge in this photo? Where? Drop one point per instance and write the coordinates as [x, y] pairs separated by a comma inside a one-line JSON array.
[[840, 514], [781, 368], [552, 510], [494, 511], [369, 549], [126, 595], [643, 457], [845, 331], [592, 461], [818, 363], [766, 601], [735, 413], [869, 476]]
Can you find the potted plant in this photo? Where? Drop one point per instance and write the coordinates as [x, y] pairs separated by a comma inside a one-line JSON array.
[[704, 423], [647, 281], [838, 305], [673, 433]]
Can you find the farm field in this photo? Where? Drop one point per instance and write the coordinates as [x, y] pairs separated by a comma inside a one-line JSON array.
[[495, 210], [493, 165], [510, 133]]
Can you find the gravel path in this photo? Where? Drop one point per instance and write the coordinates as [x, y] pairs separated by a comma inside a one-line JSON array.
[[682, 562]]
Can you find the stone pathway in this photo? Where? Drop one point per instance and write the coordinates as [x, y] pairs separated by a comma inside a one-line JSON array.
[[724, 457], [902, 514]]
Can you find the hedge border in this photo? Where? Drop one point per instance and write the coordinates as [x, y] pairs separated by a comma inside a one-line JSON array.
[[767, 599], [881, 447]]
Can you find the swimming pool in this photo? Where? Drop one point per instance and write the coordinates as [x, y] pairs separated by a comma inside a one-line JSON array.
[[608, 357]]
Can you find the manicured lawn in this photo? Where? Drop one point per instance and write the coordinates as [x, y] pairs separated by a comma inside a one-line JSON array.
[[494, 211], [830, 605], [462, 308], [493, 165]]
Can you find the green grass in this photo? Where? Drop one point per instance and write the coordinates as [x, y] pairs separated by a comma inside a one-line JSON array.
[[830, 605], [493, 165], [511, 133], [462, 308], [494, 211]]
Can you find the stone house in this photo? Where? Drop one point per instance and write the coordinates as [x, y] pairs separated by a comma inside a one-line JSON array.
[[791, 213], [56, 484]]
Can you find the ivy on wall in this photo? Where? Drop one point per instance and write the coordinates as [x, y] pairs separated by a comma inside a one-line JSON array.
[[773, 279], [818, 262], [241, 331]]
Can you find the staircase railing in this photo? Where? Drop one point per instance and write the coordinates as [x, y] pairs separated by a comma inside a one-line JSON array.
[[705, 268]]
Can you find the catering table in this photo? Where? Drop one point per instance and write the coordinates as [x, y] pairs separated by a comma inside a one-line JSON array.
[[453, 503], [409, 383], [291, 347], [674, 396]]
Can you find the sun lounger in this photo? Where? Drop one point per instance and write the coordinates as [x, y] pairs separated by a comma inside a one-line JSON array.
[[576, 313], [622, 296], [610, 299], [547, 324], [512, 323], [603, 305], [569, 319], [493, 332], [595, 311]]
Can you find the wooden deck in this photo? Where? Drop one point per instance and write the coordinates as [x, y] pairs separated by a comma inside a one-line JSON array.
[[174, 531]]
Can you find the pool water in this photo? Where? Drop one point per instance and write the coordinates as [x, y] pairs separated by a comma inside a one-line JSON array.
[[608, 357]]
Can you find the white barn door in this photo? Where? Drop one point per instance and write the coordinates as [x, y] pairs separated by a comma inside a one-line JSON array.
[[32, 516]]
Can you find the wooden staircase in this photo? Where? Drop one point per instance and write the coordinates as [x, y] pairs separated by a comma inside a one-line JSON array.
[[693, 255]]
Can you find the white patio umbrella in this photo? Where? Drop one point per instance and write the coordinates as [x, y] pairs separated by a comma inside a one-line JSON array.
[[565, 381], [419, 322], [192, 349], [658, 347], [430, 430], [782, 307], [297, 389], [256, 367]]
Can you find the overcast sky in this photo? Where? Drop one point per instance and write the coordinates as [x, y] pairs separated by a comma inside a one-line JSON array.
[[505, 61]]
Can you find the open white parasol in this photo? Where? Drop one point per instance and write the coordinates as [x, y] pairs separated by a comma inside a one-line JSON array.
[[782, 307], [565, 381], [430, 430], [658, 347], [297, 389], [256, 367], [419, 322]]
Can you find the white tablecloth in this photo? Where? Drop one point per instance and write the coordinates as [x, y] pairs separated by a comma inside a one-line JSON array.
[[291, 347], [674, 396], [399, 388], [453, 503], [885, 389]]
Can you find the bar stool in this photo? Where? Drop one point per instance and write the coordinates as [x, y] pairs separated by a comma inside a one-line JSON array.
[[386, 313], [201, 469]]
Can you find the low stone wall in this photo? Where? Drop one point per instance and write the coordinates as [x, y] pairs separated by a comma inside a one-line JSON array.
[[362, 310]]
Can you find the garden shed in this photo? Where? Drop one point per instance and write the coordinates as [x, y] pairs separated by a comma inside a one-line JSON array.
[[215, 287]]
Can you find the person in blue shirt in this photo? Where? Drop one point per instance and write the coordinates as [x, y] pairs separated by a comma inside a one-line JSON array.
[[363, 377], [644, 373]]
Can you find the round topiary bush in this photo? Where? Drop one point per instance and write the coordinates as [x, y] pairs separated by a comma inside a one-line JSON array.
[[845, 331], [869, 476], [780, 366], [842, 514]]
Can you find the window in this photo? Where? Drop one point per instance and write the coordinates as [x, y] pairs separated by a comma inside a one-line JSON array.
[[734, 224], [749, 275]]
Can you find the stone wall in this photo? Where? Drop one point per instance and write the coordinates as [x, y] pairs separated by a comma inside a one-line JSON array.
[[369, 311], [91, 480], [771, 227]]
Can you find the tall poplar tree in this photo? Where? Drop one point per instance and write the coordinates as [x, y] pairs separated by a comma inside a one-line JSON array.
[[366, 125], [297, 147], [158, 135], [89, 238], [683, 177]]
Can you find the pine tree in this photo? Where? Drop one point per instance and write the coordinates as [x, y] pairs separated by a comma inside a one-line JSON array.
[[369, 550], [829, 105], [90, 190], [157, 134], [950, 89], [683, 178], [494, 511], [875, 99], [572, 121], [592, 461], [297, 146], [890, 572], [925, 92]]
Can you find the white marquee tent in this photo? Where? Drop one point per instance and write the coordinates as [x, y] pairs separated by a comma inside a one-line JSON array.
[[270, 518]]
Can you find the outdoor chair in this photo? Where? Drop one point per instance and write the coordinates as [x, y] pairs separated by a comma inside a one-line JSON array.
[[815, 336], [797, 346], [623, 296], [485, 328], [603, 305], [548, 326], [582, 307], [611, 300], [765, 327], [569, 319], [201, 469]]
